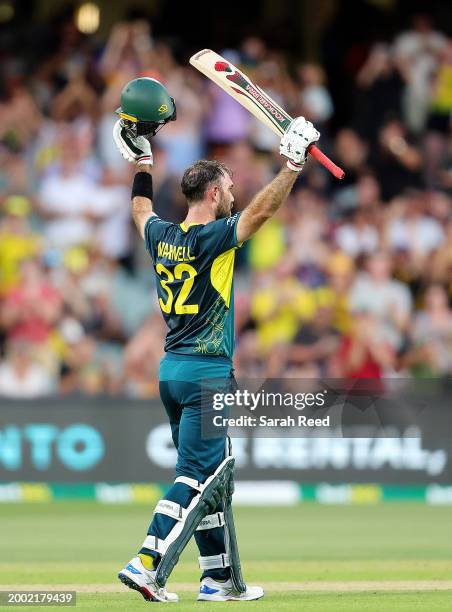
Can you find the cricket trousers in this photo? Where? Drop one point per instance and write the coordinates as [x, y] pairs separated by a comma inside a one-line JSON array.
[[183, 381]]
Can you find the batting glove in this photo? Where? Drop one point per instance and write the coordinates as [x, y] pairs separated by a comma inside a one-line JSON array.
[[134, 150], [295, 142]]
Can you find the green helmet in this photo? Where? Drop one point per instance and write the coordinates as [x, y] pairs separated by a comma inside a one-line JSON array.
[[145, 107]]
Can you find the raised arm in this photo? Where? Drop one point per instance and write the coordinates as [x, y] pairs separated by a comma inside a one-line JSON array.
[[265, 204], [294, 143], [137, 151], [141, 205]]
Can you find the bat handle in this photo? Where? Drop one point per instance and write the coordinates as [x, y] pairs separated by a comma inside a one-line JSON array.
[[326, 161]]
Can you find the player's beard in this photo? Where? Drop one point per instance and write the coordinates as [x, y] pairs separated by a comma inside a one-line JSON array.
[[224, 207]]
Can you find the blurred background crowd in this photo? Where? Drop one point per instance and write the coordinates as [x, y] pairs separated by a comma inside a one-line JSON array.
[[351, 279]]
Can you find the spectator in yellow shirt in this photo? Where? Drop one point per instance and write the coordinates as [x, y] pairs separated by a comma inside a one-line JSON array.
[[17, 242]]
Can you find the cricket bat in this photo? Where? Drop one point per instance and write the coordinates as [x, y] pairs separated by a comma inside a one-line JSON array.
[[256, 101]]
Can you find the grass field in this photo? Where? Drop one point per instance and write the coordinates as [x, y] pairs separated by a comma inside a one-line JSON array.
[[388, 557]]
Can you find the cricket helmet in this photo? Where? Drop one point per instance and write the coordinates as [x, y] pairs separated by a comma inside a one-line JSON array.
[[145, 107]]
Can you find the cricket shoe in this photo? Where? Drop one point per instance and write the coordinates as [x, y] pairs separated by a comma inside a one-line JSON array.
[[211, 590], [140, 579]]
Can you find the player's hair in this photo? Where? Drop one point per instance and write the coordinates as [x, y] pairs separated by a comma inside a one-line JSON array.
[[199, 176]]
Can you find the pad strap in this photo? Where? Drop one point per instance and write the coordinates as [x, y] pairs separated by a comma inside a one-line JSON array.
[[228, 446], [211, 521], [156, 544], [191, 482], [214, 562], [170, 508]]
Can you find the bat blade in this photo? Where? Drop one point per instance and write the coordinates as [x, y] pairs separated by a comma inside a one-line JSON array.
[[239, 86], [249, 95]]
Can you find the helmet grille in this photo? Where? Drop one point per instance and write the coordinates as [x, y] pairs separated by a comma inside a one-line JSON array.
[[141, 128], [148, 128]]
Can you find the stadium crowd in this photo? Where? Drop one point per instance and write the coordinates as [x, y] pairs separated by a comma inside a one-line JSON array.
[[350, 279]]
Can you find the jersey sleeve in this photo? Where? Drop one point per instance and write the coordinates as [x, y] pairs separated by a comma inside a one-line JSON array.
[[153, 231], [219, 236]]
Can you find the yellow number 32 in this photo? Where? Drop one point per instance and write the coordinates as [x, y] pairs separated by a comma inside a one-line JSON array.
[[179, 307]]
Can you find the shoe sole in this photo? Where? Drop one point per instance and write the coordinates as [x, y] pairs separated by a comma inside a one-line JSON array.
[[146, 593], [219, 598]]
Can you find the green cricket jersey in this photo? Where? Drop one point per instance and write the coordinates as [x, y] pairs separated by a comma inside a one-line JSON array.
[[194, 268]]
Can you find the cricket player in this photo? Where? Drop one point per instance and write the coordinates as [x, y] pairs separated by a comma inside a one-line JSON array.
[[194, 264]]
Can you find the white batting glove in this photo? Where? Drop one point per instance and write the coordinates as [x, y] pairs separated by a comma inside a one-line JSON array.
[[295, 142], [134, 150]]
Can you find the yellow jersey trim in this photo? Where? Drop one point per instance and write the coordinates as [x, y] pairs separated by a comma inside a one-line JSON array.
[[221, 274], [185, 228]]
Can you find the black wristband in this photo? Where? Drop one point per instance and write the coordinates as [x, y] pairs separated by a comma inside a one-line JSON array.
[[142, 185]]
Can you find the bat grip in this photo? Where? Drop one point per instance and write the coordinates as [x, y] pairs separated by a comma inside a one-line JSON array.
[[326, 161]]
